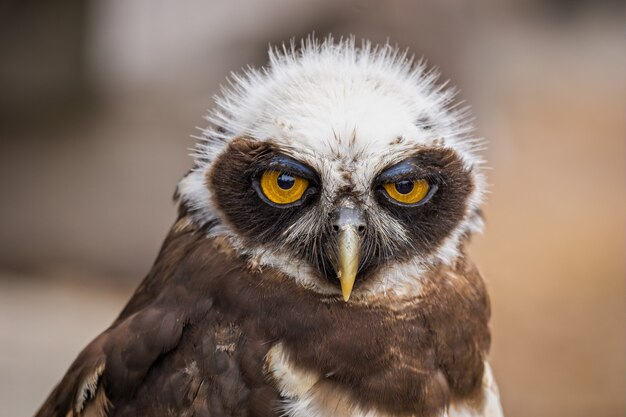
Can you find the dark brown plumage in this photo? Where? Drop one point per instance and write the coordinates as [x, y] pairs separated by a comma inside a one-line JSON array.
[[192, 340]]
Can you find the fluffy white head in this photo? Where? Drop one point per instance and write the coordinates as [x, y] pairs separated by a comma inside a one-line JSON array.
[[340, 109]]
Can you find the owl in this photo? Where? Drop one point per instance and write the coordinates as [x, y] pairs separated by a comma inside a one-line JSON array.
[[318, 264]]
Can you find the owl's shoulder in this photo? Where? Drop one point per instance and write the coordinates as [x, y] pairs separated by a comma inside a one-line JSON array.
[[170, 348]]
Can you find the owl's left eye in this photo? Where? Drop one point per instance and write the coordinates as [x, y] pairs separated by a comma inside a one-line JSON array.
[[282, 187], [407, 191]]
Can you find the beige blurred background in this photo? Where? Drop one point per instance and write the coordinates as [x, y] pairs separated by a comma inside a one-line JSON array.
[[99, 99]]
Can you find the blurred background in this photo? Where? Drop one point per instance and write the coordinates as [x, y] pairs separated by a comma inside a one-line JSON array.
[[99, 99]]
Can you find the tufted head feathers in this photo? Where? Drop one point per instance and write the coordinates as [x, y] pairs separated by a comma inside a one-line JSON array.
[[337, 161]]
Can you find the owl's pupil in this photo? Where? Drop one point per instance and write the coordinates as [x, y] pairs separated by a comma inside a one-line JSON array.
[[404, 186], [285, 181]]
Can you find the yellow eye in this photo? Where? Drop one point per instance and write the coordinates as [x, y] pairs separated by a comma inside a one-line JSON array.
[[407, 191], [282, 188]]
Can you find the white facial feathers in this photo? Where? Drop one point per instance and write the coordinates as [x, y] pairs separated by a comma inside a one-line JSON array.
[[329, 98]]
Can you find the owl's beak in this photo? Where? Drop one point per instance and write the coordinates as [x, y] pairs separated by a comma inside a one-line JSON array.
[[349, 225], [349, 243]]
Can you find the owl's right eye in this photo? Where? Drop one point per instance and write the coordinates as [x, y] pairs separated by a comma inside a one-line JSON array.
[[281, 187]]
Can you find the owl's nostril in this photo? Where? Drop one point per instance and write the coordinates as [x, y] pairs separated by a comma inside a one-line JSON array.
[[360, 228], [348, 217]]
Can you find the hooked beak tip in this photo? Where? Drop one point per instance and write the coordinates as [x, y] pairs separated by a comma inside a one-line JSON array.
[[346, 288]]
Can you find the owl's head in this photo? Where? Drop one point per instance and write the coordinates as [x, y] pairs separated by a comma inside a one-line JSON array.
[[345, 167]]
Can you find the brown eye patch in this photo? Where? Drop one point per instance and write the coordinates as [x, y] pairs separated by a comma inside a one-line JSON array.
[[429, 223], [236, 183]]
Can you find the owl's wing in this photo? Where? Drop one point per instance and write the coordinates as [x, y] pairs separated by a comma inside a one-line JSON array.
[[115, 363], [167, 347], [490, 404]]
